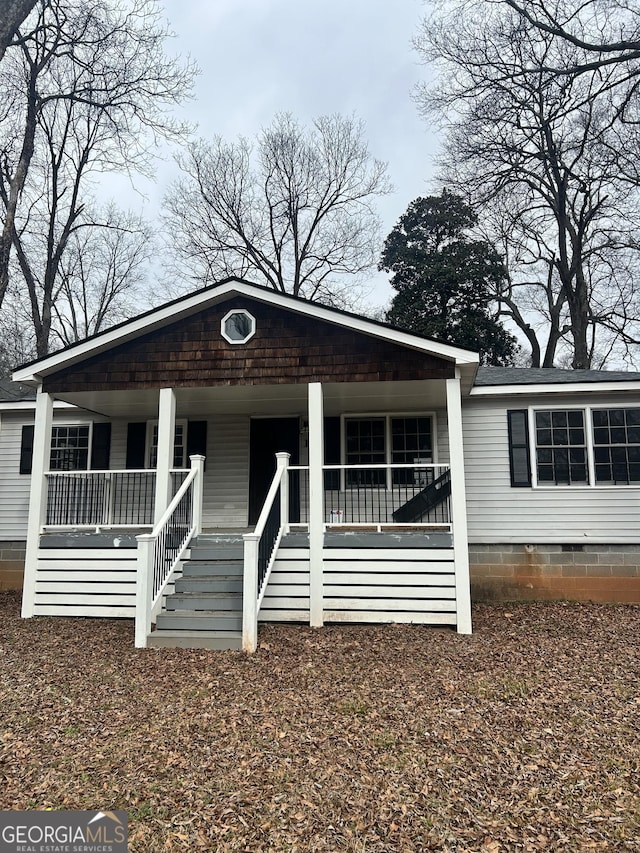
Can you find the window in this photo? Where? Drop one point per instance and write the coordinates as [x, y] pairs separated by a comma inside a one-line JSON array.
[[365, 443], [561, 452], [74, 447], [69, 448], [237, 327], [179, 445], [380, 440], [582, 447], [616, 445], [410, 443]]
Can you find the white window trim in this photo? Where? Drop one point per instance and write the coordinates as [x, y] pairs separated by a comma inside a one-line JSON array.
[[71, 425], [387, 434], [252, 323], [591, 469]]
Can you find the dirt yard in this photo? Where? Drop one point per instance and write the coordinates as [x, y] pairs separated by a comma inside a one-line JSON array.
[[523, 737]]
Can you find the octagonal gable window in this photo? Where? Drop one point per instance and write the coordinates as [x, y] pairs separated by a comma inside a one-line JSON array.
[[238, 326]]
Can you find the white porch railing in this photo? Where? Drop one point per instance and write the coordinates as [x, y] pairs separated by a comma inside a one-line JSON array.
[[392, 495], [160, 551], [96, 499], [260, 549]]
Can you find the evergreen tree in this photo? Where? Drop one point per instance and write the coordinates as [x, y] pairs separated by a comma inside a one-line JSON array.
[[446, 281]]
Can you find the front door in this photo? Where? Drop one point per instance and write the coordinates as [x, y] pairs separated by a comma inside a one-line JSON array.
[[268, 437]]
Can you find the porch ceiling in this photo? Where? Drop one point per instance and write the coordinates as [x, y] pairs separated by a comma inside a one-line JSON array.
[[266, 399]]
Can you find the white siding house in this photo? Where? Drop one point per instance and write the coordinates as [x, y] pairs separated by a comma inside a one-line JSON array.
[[558, 532], [406, 475]]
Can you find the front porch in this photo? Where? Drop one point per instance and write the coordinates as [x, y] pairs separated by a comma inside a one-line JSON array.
[[372, 567], [365, 422]]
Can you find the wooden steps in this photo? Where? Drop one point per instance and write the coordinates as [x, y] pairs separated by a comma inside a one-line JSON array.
[[205, 611]]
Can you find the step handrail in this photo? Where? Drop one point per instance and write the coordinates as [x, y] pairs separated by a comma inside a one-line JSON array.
[[160, 551], [260, 549]]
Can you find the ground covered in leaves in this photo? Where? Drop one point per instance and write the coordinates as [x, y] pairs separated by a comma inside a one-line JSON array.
[[523, 737]]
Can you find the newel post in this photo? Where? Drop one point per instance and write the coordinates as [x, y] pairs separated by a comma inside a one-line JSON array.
[[282, 461], [250, 593], [197, 462], [144, 573]]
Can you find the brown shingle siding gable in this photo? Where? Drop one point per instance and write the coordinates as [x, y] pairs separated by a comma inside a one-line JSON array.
[[287, 348]]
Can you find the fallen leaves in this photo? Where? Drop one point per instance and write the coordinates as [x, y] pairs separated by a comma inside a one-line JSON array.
[[367, 739]]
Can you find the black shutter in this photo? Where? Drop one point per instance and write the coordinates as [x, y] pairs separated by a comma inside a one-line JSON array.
[[100, 447], [196, 440], [136, 441], [332, 452], [519, 457], [26, 449]]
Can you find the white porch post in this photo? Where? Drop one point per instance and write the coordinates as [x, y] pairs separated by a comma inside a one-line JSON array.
[[166, 433], [458, 506], [37, 496], [197, 461], [316, 506]]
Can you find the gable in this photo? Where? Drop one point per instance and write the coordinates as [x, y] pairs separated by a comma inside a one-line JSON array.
[[287, 348]]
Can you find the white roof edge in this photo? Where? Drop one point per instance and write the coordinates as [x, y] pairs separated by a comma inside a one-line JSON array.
[[554, 388], [162, 316]]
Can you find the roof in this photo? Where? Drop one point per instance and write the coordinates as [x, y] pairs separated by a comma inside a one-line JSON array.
[[523, 381], [549, 376], [192, 303], [15, 392]]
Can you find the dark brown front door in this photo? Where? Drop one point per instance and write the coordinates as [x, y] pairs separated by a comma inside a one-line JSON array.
[[268, 437]]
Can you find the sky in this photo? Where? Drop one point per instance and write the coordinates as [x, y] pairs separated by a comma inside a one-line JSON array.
[[309, 58]]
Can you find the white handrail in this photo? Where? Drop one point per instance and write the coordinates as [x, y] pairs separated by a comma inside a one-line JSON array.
[[146, 602], [116, 471], [174, 503], [268, 503], [368, 465], [252, 597]]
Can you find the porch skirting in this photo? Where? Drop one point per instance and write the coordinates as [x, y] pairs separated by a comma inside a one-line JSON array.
[[514, 572], [367, 578], [75, 581]]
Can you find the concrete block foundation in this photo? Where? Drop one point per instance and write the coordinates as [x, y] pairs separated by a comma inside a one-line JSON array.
[[602, 573], [11, 564]]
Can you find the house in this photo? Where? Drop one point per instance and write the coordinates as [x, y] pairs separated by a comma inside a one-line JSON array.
[[239, 455]]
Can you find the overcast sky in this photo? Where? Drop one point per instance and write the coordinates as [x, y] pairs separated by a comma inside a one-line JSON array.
[[309, 58]]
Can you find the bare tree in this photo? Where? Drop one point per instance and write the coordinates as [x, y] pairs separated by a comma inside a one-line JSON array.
[[541, 153], [16, 340], [12, 14], [295, 211], [101, 276], [87, 90], [607, 31]]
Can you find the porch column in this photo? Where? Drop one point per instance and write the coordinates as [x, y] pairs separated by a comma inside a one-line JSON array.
[[166, 433], [458, 506], [316, 505], [37, 496]]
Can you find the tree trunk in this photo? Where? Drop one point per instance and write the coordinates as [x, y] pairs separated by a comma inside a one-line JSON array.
[[13, 14], [11, 193]]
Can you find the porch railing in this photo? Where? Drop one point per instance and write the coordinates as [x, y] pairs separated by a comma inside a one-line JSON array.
[[160, 551], [382, 495], [260, 549], [103, 498]]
